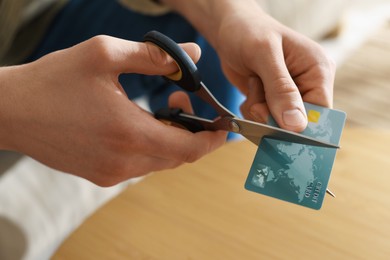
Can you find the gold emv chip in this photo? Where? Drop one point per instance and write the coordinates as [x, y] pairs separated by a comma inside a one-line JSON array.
[[313, 116]]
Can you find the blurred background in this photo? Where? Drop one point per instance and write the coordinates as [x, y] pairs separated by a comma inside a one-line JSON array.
[[41, 208]]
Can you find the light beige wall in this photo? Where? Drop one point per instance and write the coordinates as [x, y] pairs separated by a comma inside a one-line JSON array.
[[314, 18]]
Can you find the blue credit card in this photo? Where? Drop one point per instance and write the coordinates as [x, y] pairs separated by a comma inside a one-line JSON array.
[[294, 172]]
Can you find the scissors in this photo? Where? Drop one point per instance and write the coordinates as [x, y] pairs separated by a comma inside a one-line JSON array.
[[188, 78]]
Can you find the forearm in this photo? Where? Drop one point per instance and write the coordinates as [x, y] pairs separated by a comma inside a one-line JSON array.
[[207, 16], [6, 102]]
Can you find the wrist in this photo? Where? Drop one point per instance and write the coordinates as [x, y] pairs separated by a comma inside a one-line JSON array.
[[207, 16], [8, 104], [4, 122]]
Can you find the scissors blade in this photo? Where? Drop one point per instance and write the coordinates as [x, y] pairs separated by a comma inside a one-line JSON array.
[[254, 132]]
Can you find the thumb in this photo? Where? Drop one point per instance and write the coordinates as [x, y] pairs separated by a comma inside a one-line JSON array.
[[281, 93], [146, 58]]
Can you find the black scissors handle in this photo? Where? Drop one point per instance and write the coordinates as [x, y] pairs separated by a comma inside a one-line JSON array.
[[174, 117], [188, 76]]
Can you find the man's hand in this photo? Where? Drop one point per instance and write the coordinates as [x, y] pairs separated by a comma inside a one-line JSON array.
[[69, 111], [275, 67]]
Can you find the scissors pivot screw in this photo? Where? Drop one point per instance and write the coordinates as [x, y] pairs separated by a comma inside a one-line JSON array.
[[234, 126]]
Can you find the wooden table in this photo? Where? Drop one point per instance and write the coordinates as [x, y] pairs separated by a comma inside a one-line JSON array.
[[202, 211]]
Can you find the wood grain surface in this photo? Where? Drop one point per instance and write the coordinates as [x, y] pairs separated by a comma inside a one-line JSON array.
[[202, 211], [362, 86]]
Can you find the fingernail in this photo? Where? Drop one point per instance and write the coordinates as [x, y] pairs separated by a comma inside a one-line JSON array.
[[294, 117]]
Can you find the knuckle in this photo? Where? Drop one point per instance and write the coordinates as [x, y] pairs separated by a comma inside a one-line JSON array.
[[264, 44], [191, 155], [195, 154], [100, 40], [100, 48], [266, 39], [109, 172], [327, 65], [267, 42], [283, 85], [117, 169], [332, 66]]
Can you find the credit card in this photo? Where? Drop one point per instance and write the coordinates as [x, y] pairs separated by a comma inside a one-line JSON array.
[[294, 172]]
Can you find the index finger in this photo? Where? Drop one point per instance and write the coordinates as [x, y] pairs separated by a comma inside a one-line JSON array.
[[181, 145]]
